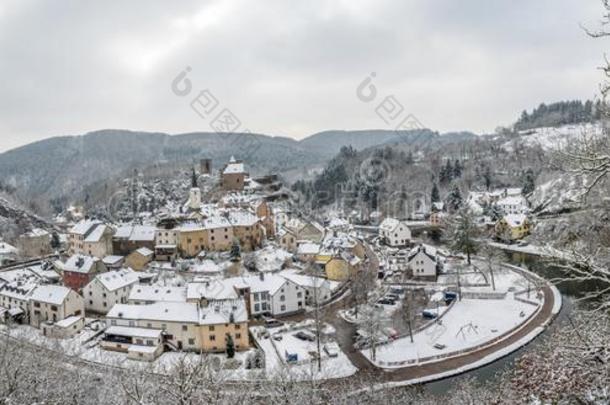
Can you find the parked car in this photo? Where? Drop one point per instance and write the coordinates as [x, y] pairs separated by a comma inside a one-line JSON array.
[[397, 290], [429, 314], [305, 335], [277, 337], [439, 346], [384, 301], [331, 349], [273, 323], [392, 297]]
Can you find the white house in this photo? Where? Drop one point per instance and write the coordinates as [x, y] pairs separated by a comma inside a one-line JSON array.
[[394, 232], [312, 285], [423, 261], [109, 288], [15, 296], [513, 205], [270, 294], [149, 294], [52, 303]]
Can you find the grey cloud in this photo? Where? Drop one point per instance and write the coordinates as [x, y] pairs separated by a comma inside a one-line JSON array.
[[287, 68]]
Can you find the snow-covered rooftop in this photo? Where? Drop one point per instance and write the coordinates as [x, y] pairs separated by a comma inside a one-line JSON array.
[[51, 294]]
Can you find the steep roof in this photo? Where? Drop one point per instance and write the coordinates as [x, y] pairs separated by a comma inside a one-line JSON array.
[[80, 264], [113, 280], [52, 294]]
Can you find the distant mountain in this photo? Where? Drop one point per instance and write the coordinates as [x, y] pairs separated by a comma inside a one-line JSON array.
[[63, 166]]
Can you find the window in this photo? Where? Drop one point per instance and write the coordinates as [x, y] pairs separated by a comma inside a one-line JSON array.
[[238, 336], [185, 327], [299, 294], [282, 298], [191, 342], [211, 328], [237, 326], [113, 322], [283, 308], [163, 326], [90, 302], [104, 295], [149, 325], [53, 308], [257, 307], [212, 337], [149, 342]]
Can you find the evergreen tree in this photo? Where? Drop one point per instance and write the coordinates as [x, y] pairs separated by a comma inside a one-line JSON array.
[[457, 169], [409, 160], [487, 178], [230, 346], [435, 195], [528, 182], [446, 173], [235, 250], [55, 242], [463, 233], [454, 199]]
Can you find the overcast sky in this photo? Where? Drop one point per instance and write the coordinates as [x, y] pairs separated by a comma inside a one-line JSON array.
[[288, 67]]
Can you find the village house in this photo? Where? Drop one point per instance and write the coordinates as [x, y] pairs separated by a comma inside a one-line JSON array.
[[316, 288], [233, 175], [63, 329], [52, 303], [265, 215], [34, 243], [14, 299], [129, 238], [287, 240], [79, 270], [8, 253], [394, 232], [513, 205], [247, 229], [308, 252], [512, 227], [113, 262], [107, 289], [341, 266], [218, 234], [179, 325], [192, 239], [423, 261], [149, 294], [90, 237], [166, 241], [269, 294], [139, 258]]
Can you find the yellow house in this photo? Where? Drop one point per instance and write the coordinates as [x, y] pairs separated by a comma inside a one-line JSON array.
[[512, 227], [139, 258], [186, 326], [337, 269], [192, 239]]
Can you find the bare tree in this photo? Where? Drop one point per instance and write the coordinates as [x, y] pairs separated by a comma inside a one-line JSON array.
[[492, 258]]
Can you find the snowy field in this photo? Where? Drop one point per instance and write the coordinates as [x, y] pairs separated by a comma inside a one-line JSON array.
[[467, 325]]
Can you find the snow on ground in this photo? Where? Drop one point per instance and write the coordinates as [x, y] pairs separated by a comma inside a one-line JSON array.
[[468, 324], [550, 138], [332, 367]]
